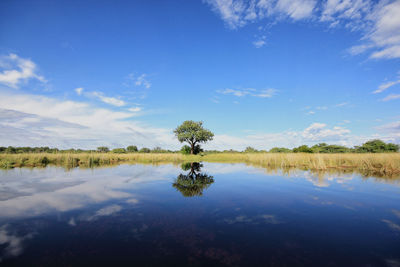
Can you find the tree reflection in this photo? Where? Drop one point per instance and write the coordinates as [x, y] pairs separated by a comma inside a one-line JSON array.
[[194, 182]]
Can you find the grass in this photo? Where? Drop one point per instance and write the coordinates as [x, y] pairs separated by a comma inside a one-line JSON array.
[[383, 164]]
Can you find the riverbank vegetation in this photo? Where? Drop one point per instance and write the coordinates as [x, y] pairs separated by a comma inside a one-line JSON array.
[[373, 157], [382, 164], [373, 146]]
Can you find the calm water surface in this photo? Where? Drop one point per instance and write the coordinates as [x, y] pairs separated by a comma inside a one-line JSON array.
[[216, 214]]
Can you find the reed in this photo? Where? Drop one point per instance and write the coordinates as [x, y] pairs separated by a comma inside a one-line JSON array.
[[376, 164]]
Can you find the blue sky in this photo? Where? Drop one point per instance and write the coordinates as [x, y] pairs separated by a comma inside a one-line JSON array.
[[259, 73]]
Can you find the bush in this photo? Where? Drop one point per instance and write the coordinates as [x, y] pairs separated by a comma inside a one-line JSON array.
[[131, 149], [325, 148], [280, 150], [103, 149], [376, 146], [145, 150], [185, 150], [118, 150], [302, 149], [250, 149]]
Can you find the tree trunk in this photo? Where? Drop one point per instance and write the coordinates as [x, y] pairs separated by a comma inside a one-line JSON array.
[[192, 149]]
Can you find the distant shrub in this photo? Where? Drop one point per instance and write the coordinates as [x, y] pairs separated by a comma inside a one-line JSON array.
[[45, 161], [302, 149], [250, 149], [325, 148], [103, 149], [280, 150], [132, 149], [118, 150], [145, 150], [159, 150], [376, 146]]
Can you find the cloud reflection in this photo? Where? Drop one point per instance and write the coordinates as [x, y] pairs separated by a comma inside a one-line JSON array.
[[13, 244], [38, 191]]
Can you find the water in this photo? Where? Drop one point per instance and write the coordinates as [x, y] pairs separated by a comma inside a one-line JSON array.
[[216, 214]]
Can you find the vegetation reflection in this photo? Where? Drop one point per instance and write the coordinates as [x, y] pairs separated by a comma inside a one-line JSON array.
[[194, 182]]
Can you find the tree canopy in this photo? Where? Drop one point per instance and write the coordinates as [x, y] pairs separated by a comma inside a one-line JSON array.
[[193, 133], [377, 146]]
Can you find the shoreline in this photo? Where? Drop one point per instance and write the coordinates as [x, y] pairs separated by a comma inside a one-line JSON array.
[[381, 164]]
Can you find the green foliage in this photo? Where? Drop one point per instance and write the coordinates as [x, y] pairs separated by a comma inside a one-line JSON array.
[[193, 133], [118, 150], [302, 149], [159, 150], [325, 148], [132, 149], [103, 149], [45, 161], [280, 150], [185, 150], [145, 150], [376, 146], [250, 149]]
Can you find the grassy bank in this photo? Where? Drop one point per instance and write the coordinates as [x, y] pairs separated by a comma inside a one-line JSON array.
[[387, 164]]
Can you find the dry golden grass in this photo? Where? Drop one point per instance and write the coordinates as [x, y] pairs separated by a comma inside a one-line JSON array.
[[384, 164]]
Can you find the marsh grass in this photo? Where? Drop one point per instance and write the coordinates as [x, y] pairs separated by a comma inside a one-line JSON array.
[[383, 164]]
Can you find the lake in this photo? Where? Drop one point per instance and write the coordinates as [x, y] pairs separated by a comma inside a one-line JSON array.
[[198, 214]]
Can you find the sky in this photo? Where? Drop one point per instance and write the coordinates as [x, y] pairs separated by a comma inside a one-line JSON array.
[[260, 73]]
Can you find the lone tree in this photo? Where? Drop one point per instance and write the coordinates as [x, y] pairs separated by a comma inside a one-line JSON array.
[[193, 133]]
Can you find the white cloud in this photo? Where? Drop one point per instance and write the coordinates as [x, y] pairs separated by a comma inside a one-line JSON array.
[[385, 86], [35, 120], [215, 99], [391, 127], [378, 21], [389, 132], [135, 109], [108, 100], [315, 133], [381, 30], [391, 97], [237, 13], [140, 80], [259, 43], [296, 9], [336, 10], [318, 131], [79, 90], [342, 104], [359, 49], [264, 93], [17, 70]]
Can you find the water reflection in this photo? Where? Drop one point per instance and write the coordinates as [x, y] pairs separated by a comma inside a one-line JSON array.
[[131, 215], [194, 182]]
